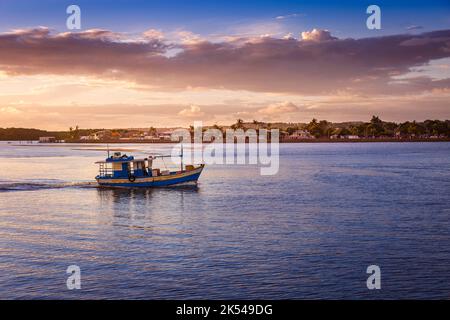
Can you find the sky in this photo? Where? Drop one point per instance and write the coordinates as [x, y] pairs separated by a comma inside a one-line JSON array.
[[169, 63]]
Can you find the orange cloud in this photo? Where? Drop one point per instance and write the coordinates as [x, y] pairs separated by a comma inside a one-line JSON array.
[[192, 112], [279, 108], [317, 35]]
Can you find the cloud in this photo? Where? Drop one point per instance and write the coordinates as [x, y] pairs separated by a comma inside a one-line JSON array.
[[91, 34], [288, 16], [314, 65], [335, 108], [279, 108], [184, 37], [58, 117], [10, 110], [153, 34], [192, 112], [38, 32], [288, 36], [258, 29], [413, 27], [317, 35]]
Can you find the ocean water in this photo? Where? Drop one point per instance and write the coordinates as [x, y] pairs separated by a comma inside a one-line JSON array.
[[309, 232]]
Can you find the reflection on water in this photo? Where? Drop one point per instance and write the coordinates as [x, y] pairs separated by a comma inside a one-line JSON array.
[[124, 195], [135, 207], [308, 232]]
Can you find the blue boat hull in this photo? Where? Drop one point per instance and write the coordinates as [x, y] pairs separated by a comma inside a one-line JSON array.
[[183, 178]]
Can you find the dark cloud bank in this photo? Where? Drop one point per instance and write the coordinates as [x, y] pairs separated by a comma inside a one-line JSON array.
[[320, 65]]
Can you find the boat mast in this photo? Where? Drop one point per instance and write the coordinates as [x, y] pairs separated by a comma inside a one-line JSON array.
[[181, 156]]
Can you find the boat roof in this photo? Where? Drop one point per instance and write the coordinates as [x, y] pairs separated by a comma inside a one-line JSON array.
[[109, 160]]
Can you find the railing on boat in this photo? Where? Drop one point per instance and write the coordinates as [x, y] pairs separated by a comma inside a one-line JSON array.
[[108, 172], [104, 171]]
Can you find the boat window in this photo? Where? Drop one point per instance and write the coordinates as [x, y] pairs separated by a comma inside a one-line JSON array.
[[117, 166], [139, 165]]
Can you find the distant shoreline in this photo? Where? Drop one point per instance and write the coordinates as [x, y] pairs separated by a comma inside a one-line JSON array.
[[321, 140], [376, 130], [365, 140]]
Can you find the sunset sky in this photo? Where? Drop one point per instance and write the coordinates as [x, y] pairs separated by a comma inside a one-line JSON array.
[[169, 63]]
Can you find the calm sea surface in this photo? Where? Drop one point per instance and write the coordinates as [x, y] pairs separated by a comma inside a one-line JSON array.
[[308, 232]]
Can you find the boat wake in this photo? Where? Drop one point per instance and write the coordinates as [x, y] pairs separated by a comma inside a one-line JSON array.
[[31, 186]]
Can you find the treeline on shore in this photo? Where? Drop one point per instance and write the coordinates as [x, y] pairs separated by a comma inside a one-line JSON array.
[[25, 134], [376, 128], [315, 129]]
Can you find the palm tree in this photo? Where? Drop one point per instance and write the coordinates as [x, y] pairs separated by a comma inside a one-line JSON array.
[[239, 123], [314, 128], [76, 132], [376, 120], [375, 127], [152, 131]]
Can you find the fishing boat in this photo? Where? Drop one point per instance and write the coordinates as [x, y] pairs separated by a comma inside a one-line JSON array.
[[120, 170]]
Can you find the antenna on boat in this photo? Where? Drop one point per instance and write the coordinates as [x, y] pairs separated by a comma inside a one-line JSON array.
[[107, 148], [181, 156]]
